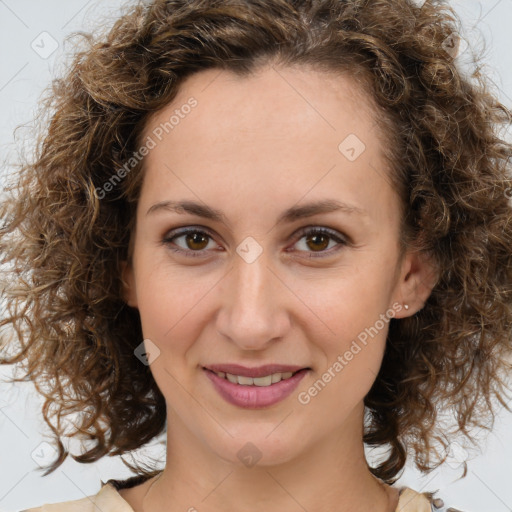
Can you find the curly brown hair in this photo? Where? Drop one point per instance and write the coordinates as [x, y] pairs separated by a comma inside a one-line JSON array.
[[64, 243]]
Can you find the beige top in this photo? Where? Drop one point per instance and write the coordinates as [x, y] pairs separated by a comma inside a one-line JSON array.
[[108, 499]]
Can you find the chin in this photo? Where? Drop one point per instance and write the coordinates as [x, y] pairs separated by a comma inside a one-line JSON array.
[[259, 449]]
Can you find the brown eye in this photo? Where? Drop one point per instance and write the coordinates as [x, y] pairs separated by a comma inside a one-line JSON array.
[[318, 240], [195, 241]]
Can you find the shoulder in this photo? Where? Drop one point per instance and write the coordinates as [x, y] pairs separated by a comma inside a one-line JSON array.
[[107, 499], [413, 501]]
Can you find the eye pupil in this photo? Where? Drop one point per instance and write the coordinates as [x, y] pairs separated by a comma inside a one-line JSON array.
[[195, 238], [316, 240]]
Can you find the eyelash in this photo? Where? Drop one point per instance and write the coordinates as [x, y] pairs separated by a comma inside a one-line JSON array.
[[168, 240]]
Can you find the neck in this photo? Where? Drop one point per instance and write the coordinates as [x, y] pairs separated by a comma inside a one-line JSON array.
[[331, 475]]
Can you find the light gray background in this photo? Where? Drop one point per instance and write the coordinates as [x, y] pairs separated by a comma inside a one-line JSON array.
[[25, 69]]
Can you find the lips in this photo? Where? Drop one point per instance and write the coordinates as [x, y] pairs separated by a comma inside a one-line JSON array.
[[255, 396], [259, 371]]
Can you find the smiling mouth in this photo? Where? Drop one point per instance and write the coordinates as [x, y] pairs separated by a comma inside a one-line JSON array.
[[255, 392]]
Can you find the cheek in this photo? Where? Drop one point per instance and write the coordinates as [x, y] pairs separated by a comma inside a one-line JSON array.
[[171, 304], [346, 304], [172, 318], [355, 319]]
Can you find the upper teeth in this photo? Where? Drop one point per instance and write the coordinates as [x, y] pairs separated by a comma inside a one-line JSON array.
[[256, 381]]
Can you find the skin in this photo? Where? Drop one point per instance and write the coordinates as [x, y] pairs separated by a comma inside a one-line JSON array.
[[253, 147]]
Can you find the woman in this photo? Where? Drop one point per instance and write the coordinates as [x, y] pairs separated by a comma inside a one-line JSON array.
[[280, 229]]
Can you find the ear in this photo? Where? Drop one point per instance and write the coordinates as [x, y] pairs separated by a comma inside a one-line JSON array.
[[418, 276], [128, 279]]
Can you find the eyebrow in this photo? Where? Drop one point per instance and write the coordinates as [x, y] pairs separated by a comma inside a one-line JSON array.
[[292, 214]]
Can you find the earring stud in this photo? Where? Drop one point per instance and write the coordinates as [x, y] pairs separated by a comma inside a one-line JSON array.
[[406, 306]]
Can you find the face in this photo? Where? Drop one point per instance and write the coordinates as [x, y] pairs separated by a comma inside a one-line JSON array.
[[267, 279]]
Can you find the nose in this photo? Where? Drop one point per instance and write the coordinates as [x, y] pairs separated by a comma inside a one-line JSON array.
[[253, 308]]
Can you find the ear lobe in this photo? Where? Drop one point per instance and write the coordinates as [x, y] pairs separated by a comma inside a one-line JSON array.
[[419, 276], [129, 291]]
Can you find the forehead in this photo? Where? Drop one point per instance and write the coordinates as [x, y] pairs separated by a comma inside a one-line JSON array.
[[287, 94], [280, 133]]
